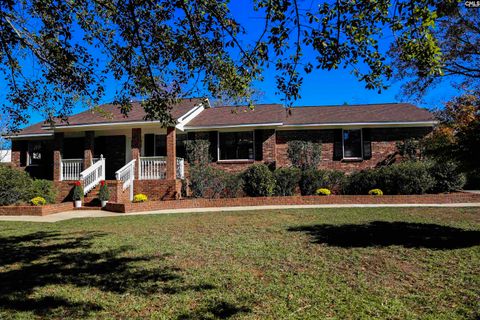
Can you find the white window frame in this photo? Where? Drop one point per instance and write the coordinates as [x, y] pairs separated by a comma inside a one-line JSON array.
[[343, 144], [234, 160]]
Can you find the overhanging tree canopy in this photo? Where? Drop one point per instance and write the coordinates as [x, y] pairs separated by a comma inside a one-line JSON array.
[[157, 50]]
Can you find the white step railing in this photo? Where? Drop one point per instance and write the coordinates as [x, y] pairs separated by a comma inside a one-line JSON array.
[[153, 168], [92, 176], [127, 175], [70, 169]]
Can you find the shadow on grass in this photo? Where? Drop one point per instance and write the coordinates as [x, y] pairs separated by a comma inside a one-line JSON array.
[[382, 234], [215, 310], [42, 259]]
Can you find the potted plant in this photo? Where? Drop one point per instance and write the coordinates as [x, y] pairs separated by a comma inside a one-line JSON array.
[[104, 193], [77, 194]]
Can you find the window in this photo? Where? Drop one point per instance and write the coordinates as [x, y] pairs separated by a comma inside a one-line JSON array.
[[352, 144], [235, 145], [34, 153], [160, 145], [156, 145]]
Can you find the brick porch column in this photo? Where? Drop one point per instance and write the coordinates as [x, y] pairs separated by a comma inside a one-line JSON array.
[[17, 148], [57, 155], [171, 154], [88, 149], [136, 148]]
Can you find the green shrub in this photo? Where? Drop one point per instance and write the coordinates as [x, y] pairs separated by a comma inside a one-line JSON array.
[[312, 180], [446, 176], [15, 186], [197, 152], [232, 185], [336, 181], [38, 201], [304, 154], [286, 181], [104, 192], [323, 192], [140, 198], [258, 181], [45, 189], [361, 182], [77, 191], [473, 180], [410, 177], [206, 181], [375, 192]]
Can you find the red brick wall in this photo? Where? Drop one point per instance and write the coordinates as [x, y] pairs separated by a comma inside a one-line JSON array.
[[383, 146], [27, 210], [274, 147], [294, 200], [158, 189]]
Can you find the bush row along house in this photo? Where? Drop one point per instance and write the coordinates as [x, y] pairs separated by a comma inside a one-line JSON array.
[[131, 151]]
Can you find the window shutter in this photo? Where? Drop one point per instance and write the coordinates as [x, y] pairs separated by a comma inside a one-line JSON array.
[[337, 145], [367, 144], [258, 145], [213, 137], [149, 145]]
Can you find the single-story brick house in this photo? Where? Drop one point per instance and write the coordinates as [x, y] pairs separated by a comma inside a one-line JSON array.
[[94, 145]]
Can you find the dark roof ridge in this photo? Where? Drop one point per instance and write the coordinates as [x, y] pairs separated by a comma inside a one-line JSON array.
[[353, 105], [243, 106]]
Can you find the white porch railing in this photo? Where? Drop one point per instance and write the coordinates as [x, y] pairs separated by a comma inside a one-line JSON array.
[[127, 175], [92, 176], [153, 168], [70, 169]]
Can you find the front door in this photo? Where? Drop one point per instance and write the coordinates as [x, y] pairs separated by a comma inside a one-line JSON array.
[[113, 150]]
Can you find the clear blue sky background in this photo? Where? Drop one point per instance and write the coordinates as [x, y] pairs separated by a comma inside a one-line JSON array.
[[320, 87]]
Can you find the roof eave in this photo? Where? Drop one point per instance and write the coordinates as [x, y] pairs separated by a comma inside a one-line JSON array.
[[378, 124]]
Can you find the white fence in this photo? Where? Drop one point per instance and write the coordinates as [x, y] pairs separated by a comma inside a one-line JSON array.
[[70, 169], [153, 168]]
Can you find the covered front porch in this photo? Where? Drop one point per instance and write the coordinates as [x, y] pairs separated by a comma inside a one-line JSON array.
[[125, 155]]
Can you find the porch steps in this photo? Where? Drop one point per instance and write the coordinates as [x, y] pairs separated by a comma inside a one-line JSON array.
[[91, 201]]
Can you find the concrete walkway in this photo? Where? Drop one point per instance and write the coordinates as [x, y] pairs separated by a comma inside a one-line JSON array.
[[98, 214]]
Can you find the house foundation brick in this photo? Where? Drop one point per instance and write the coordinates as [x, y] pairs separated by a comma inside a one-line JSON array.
[[159, 189], [294, 200]]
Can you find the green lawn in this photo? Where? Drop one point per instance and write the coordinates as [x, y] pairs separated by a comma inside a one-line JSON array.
[[280, 264]]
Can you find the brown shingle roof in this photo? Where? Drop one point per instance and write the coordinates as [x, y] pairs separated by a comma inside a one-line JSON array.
[[111, 113], [34, 129], [261, 114], [228, 115], [391, 112]]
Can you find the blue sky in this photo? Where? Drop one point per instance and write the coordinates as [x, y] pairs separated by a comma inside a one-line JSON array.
[[319, 88]]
